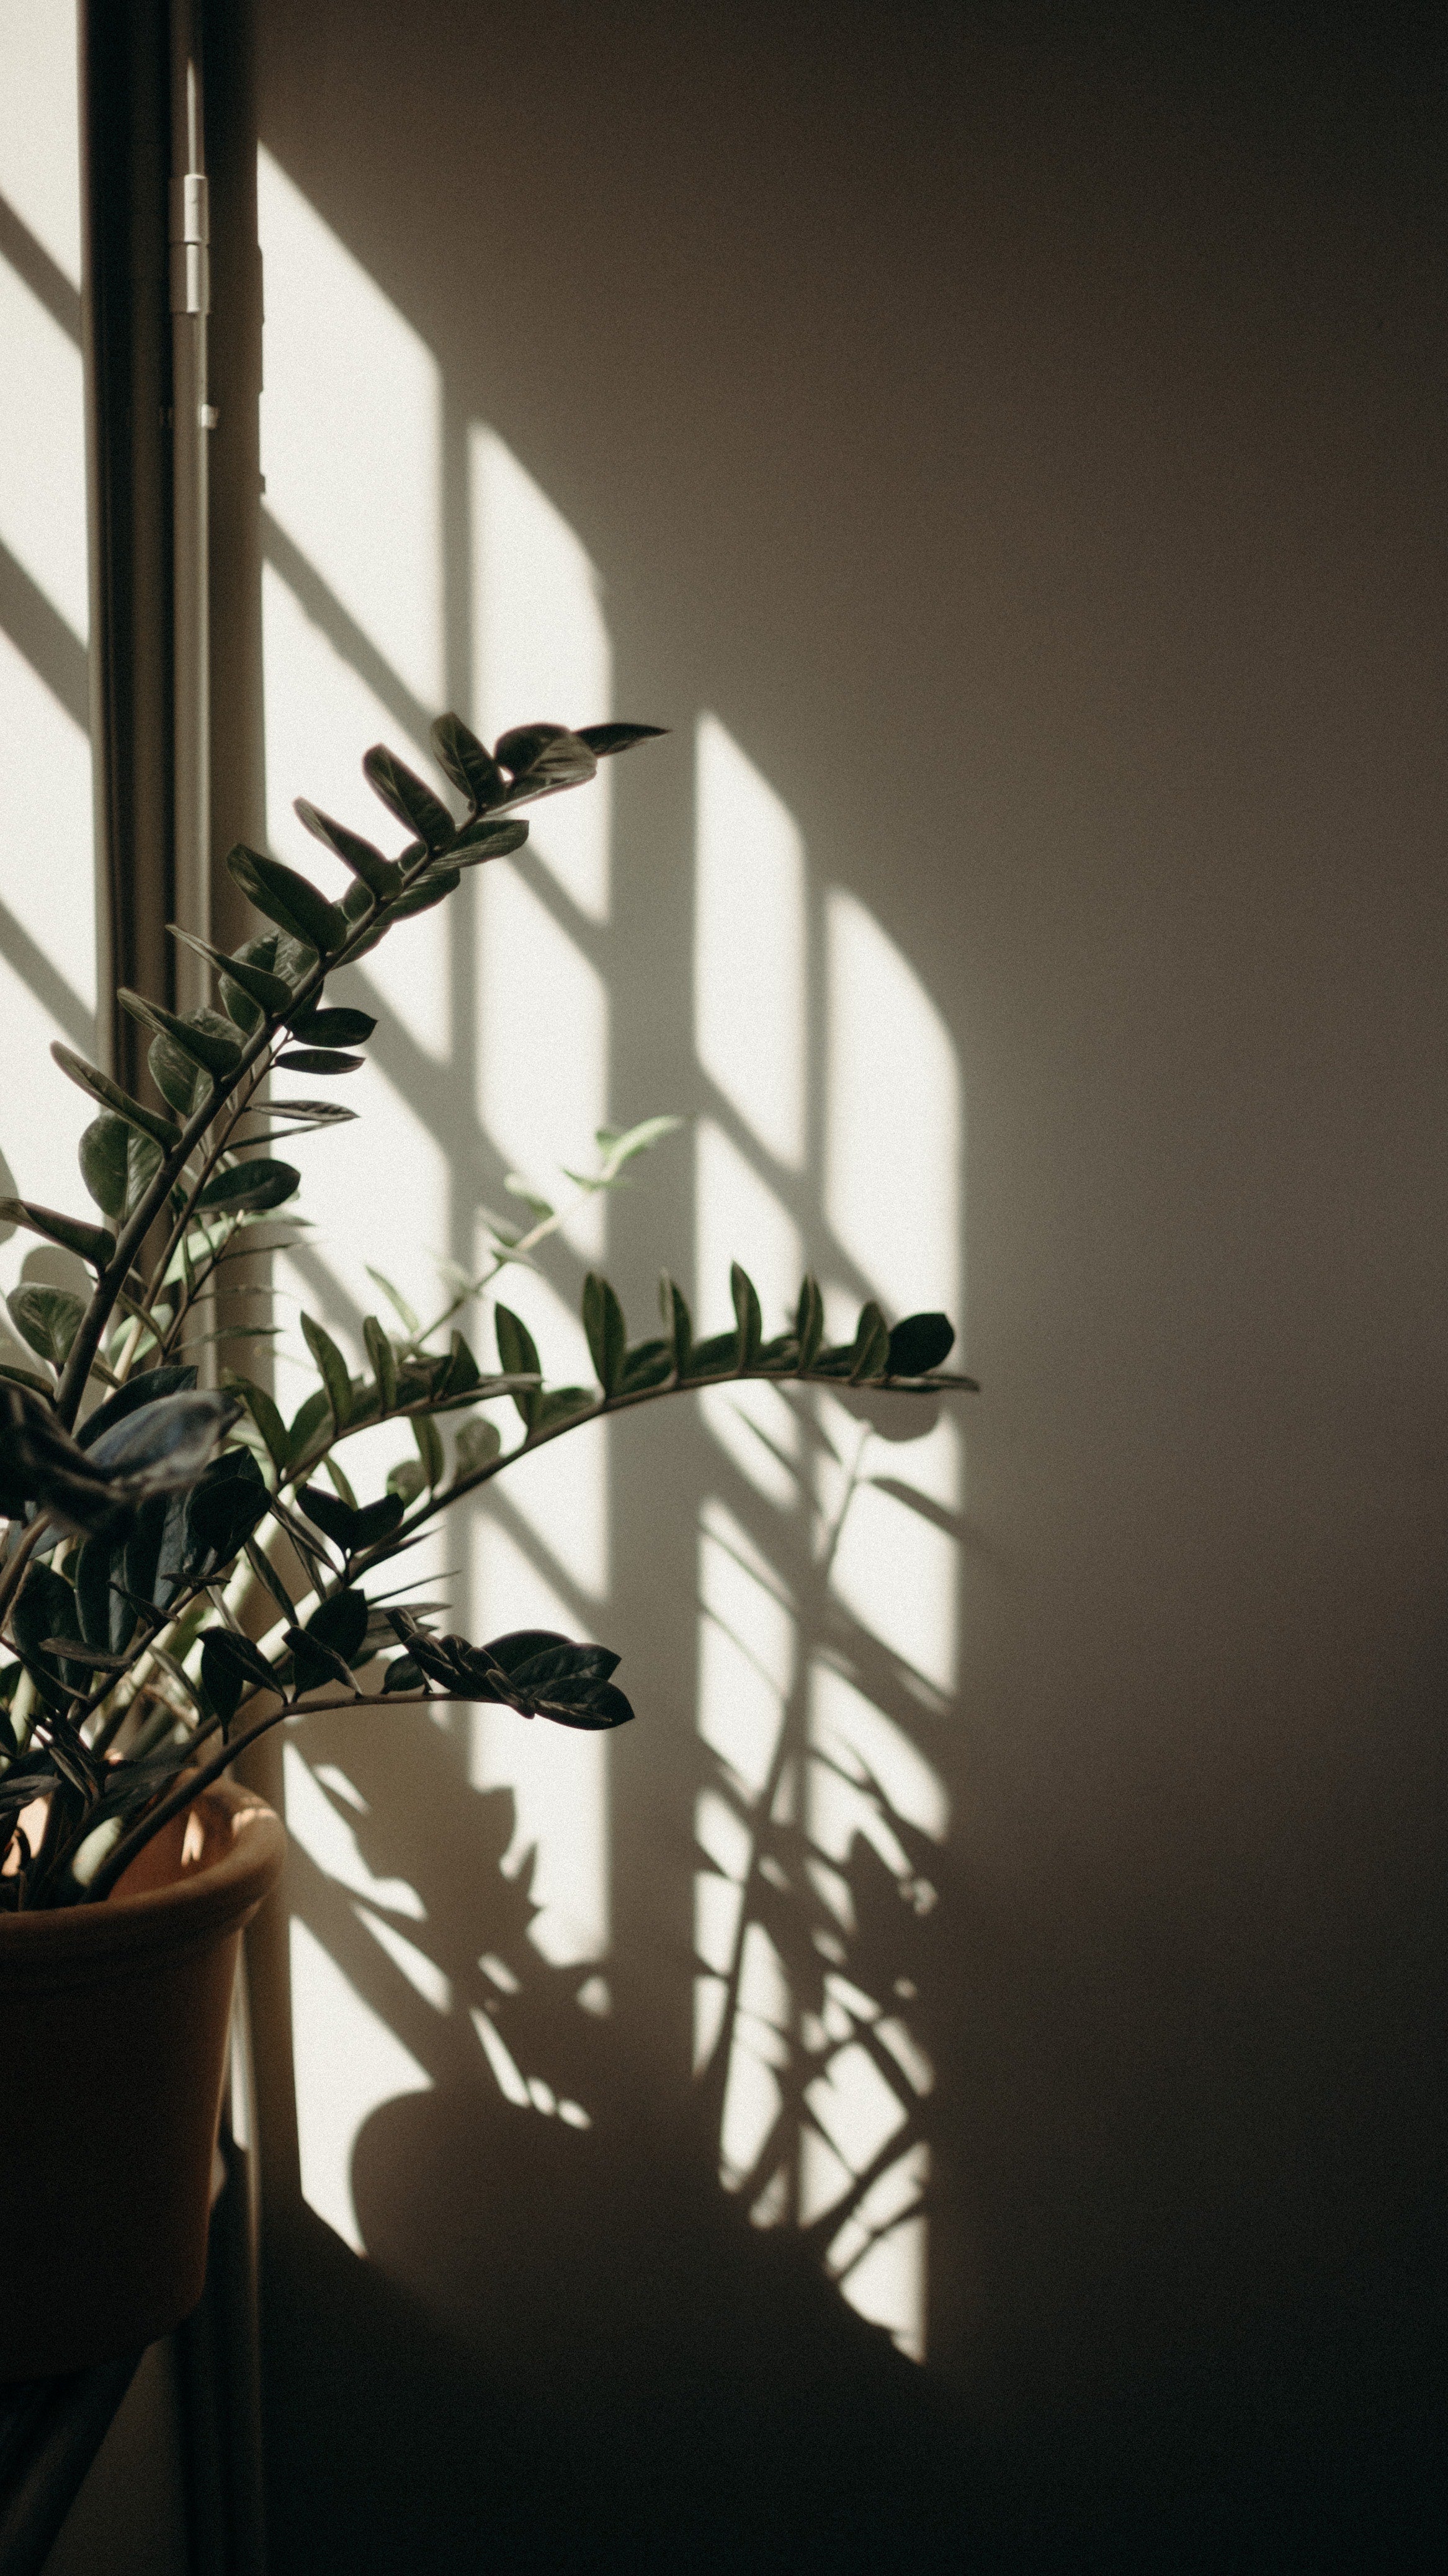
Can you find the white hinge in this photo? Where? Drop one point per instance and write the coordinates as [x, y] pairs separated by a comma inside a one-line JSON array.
[[190, 240]]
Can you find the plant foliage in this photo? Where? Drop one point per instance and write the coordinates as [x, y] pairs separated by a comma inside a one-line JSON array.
[[182, 1568]]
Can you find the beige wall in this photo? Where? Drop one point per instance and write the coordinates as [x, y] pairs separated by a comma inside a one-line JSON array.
[[1029, 445]]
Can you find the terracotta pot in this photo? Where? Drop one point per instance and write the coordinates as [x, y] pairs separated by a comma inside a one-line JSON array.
[[113, 2044]]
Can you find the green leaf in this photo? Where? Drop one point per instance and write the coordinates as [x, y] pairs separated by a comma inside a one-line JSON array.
[[91, 1242], [649, 1364], [230, 1667], [377, 1521], [620, 1145], [318, 1060], [746, 1310], [107, 1616], [88, 1077], [462, 1372], [871, 1354], [278, 960], [407, 796], [518, 1353], [678, 1323], [429, 890], [310, 1418], [339, 1622], [247, 1187], [478, 1443], [184, 1084], [117, 1164], [809, 1324], [384, 1362], [467, 762], [332, 1516], [487, 839], [604, 740], [291, 901], [406, 1480], [267, 993], [716, 1356], [333, 1028], [542, 759], [47, 1318], [607, 1332], [333, 1368], [429, 1449], [563, 1404], [268, 1577], [264, 1414], [45, 1609], [380, 876], [204, 1036], [221, 1511], [919, 1343], [396, 1301]]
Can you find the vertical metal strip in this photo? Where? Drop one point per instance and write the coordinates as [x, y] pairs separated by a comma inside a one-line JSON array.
[[191, 422]]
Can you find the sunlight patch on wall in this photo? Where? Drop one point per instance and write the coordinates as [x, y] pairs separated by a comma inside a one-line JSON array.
[[351, 432], [348, 2063], [541, 651], [542, 1049], [892, 1117], [47, 862], [558, 1777], [749, 943]]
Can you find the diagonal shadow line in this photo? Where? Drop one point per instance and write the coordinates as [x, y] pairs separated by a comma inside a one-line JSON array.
[[50, 989], [320, 603], [49, 643], [32, 262]]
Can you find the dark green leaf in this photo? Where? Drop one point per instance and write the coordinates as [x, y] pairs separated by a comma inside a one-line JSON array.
[[405, 795], [716, 1356], [401, 1675], [562, 1404], [605, 739], [267, 1576], [230, 1667], [384, 1362], [250, 1186], [314, 1662], [107, 1615], [266, 993], [487, 839], [920, 1342], [595, 1707], [46, 1609], [91, 1242], [678, 1323], [88, 1077], [280, 961], [543, 758], [340, 1622], [117, 1164], [331, 1515], [471, 767], [746, 1309], [606, 1330], [378, 875], [47, 1318], [333, 1028], [462, 1373], [306, 1113], [429, 890], [377, 1521], [871, 1354], [518, 1353], [180, 1081], [477, 1445], [809, 1324], [264, 1414], [648, 1364], [224, 1510], [309, 1419], [203, 1036], [429, 1448], [406, 1480], [291, 901], [147, 1386], [318, 1060], [333, 1369]]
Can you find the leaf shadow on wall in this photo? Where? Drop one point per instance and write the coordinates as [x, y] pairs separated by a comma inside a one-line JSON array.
[[580, 2352]]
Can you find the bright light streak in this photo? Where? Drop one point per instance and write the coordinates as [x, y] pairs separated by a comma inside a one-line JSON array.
[[559, 1777], [351, 437], [892, 1117], [749, 943], [42, 443], [40, 133], [541, 651], [348, 2063], [542, 1049]]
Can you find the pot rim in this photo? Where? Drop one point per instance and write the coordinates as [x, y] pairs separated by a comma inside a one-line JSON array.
[[217, 1896]]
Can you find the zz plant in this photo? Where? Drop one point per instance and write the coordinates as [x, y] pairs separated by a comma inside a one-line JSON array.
[[175, 1577]]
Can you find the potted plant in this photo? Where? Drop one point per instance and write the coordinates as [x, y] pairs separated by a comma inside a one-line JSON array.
[[184, 1569]]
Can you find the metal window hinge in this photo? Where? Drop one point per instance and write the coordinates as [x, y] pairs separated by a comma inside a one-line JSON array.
[[190, 244]]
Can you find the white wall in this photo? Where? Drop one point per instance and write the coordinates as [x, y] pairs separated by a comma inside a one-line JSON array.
[[1008, 462]]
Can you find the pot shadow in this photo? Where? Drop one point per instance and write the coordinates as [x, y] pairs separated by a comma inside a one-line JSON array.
[[567, 2346]]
